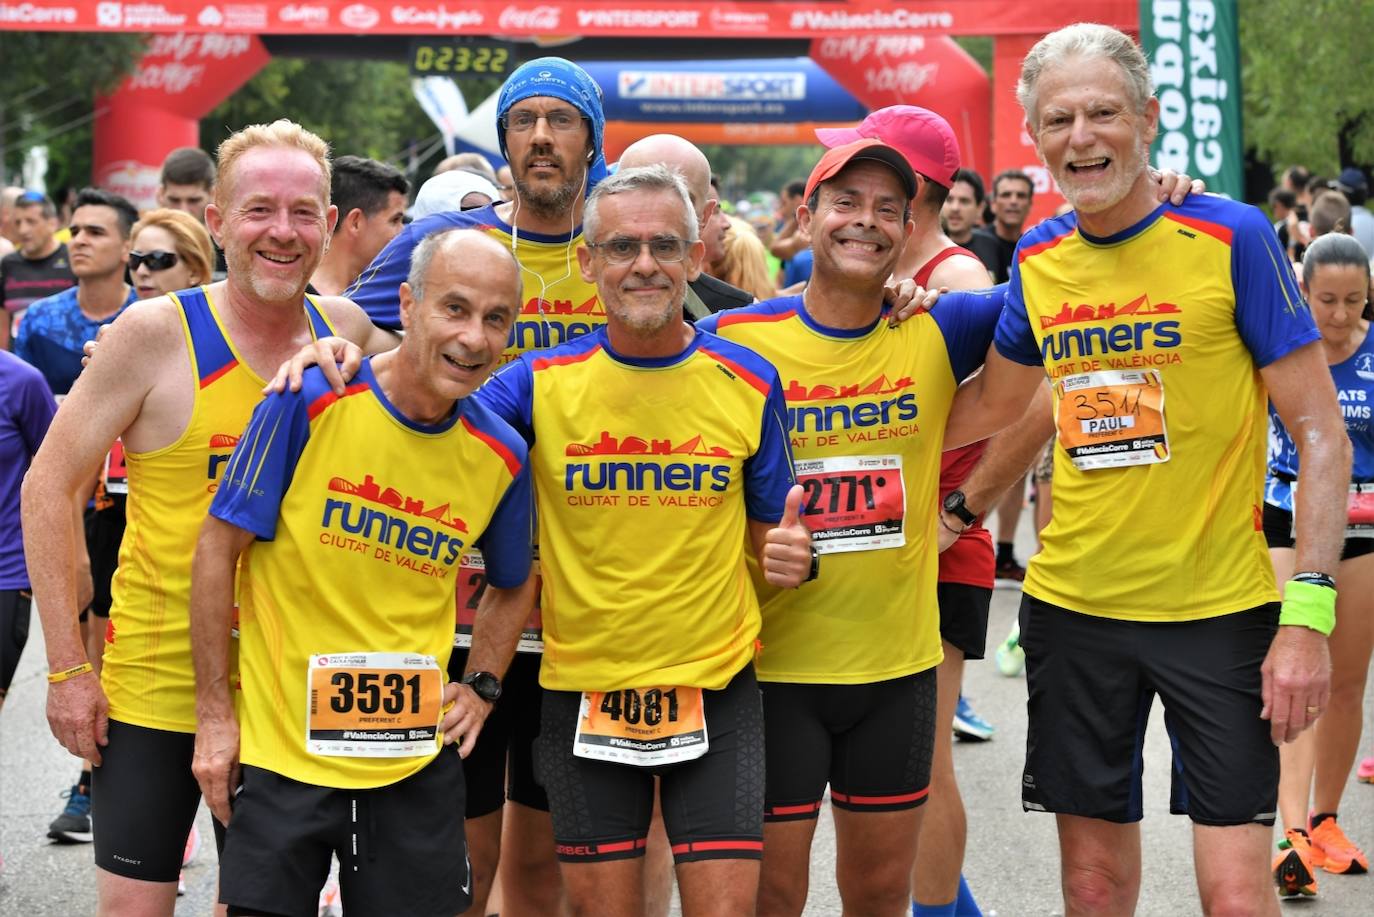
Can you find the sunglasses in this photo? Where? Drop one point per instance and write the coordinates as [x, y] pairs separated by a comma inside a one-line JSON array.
[[156, 261]]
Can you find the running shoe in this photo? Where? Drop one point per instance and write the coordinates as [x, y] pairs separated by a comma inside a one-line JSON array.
[[1294, 872], [1009, 573], [1338, 851], [969, 725], [330, 903], [181, 882], [1011, 659], [1366, 771], [192, 846], [73, 826]]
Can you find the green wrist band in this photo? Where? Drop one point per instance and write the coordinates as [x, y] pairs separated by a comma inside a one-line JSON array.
[[1308, 605]]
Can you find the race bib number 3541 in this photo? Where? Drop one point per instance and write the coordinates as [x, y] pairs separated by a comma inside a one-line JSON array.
[[1111, 419], [373, 705]]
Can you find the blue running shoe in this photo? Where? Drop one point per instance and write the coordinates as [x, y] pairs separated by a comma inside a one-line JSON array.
[[969, 725], [73, 826]]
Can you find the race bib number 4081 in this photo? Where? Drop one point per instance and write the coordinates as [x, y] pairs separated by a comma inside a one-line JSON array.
[[658, 725], [373, 705], [853, 502]]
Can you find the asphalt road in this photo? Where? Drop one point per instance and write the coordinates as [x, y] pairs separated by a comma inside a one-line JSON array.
[[1012, 863]]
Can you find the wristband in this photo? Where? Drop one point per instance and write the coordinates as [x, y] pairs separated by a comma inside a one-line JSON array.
[[950, 528], [1308, 605], [1316, 579], [82, 669]]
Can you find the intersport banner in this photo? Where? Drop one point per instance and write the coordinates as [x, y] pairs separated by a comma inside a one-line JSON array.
[[1194, 54], [748, 18]]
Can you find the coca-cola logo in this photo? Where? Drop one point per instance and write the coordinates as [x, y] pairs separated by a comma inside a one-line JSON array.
[[359, 16], [538, 18]]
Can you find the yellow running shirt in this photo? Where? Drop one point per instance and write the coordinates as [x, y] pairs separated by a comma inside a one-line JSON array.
[[559, 304], [147, 672], [346, 599], [644, 471], [1153, 339], [866, 409]]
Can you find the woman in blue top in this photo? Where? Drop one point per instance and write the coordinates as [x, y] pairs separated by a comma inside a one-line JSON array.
[[1335, 279]]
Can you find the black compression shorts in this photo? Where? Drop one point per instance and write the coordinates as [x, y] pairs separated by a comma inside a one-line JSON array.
[[501, 765], [712, 805], [872, 743], [964, 617]]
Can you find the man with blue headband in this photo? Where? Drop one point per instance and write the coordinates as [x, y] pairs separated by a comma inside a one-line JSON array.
[[550, 127]]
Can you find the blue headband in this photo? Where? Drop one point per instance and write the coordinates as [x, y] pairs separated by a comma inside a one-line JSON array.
[[558, 79]]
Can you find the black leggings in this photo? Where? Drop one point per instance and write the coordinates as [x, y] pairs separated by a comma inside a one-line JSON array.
[[15, 605]]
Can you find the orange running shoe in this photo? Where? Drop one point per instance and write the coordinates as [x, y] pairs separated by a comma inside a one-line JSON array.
[[1294, 872], [1340, 853]]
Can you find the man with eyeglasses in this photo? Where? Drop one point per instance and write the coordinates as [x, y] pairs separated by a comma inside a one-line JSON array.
[[705, 294], [39, 268], [658, 452]]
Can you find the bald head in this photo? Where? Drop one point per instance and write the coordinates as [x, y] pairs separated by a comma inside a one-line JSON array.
[[675, 153], [460, 251]]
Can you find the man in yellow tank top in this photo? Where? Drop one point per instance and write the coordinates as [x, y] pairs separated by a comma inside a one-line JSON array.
[[176, 378], [1162, 328]]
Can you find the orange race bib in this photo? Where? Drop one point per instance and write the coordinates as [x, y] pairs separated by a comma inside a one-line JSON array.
[[643, 727], [472, 582], [115, 476], [1111, 419], [373, 705], [853, 503]]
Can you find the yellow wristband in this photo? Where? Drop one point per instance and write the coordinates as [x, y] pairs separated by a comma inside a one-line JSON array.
[[55, 677], [1308, 605]]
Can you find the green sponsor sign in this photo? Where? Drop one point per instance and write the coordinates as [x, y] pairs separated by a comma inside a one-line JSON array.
[[1195, 63]]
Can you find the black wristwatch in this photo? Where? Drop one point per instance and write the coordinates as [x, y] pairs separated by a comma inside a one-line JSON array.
[[486, 685], [954, 505], [815, 565]]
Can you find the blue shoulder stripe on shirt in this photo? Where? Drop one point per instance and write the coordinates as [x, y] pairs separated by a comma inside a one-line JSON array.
[[778, 309], [753, 368]]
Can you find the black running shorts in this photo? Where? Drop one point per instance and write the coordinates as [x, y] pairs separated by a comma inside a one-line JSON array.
[[1091, 682], [143, 802], [104, 532], [16, 608], [1278, 533], [401, 847], [712, 805], [872, 743], [501, 765], [964, 617]]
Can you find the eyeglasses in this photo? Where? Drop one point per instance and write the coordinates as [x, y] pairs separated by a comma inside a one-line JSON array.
[[667, 250], [521, 121], [156, 261]]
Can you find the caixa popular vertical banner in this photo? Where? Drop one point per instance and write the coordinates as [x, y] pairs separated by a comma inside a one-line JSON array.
[[1194, 55]]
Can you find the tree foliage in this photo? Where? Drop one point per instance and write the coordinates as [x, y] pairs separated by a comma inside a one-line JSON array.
[[363, 108], [1306, 73], [51, 80]]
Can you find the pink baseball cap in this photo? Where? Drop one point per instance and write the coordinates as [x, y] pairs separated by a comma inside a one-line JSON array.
[[923, 137]]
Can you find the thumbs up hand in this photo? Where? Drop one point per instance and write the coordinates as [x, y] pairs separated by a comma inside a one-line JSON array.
[[786, 554]]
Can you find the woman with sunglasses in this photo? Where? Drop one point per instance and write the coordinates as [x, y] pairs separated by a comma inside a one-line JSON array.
[[170, 251]]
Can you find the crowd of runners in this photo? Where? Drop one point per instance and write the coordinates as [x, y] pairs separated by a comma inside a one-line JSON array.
[[546, 544]]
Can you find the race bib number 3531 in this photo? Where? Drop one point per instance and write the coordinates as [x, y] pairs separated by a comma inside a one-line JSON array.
[[661, 725], [373, 705]]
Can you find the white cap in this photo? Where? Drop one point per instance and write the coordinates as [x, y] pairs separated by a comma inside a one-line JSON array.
[[446, 191]]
